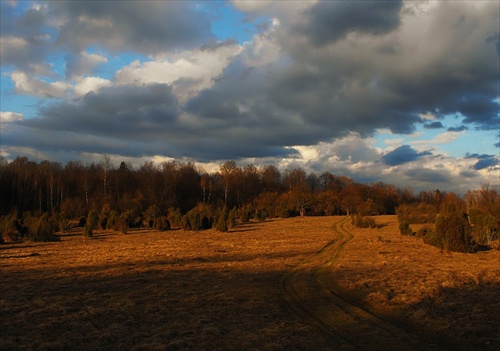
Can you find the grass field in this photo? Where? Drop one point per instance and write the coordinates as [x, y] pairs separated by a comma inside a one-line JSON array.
[[262, 286]]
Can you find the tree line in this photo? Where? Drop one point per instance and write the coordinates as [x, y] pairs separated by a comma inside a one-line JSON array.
[[185, 195]]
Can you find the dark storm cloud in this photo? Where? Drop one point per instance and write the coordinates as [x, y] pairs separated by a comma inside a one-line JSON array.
[[457, 129], [484, 161], [147, 27], [433, 125], [150, 120], [329, 21], [354, 84], [402, 154], [128, 111]]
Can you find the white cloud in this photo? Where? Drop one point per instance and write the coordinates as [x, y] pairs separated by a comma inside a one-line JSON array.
[[190, 72], [89, 84], [7, 116], [37, 87]]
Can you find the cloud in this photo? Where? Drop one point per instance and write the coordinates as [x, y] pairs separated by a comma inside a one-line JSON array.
[[7, 116], [484, 161], [25, 84], [90, 84], [148, 27], [121, 112], [429, 176], [189, 73], [457, 129], [329, 21], [402, 154], [433, 125], [79, 64], [25, 45], [307, 89]]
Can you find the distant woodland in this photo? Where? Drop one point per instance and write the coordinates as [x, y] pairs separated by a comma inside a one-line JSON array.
[[174, 194]]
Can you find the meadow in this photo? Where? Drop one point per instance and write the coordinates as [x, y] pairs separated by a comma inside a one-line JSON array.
[[302, 283]]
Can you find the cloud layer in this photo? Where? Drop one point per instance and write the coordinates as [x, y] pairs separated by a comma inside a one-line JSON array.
[[317, 74]]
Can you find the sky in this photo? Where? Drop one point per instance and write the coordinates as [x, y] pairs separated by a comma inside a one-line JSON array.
[[403, 92]]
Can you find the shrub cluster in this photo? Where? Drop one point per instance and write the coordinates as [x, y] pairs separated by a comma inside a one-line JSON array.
[[39, 228], [362, 221], [200, 217], [42, 229], [451, 232]]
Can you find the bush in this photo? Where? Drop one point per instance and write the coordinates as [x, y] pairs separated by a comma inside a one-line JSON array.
[[124, 221], [404, 228], [162, 223], [231, 218], [174, 217], [432, 238], [112, 222], [261, 215], [81, 222], [87, 231], [245, 213], [422, 232], [363, 222], [42, 229], [222, 219], [103, 222], [151, 215], [185, 225], [93, 219], [11, 228], [199, 218], [455, 231]]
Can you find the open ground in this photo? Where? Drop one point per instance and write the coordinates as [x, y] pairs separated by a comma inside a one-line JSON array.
[[308, 283]]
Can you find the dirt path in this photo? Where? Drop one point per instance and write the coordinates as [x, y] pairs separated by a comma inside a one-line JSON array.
[[311, 291]]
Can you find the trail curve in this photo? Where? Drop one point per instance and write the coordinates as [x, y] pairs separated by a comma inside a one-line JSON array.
[[310, 290]]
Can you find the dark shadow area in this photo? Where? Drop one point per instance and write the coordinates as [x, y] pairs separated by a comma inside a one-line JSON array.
[[130, 306], [463, 317]]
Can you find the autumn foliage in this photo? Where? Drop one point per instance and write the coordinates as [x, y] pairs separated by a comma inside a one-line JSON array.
[[182, 195]]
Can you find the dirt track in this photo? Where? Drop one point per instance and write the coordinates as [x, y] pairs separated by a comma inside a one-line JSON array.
[[311, 290]]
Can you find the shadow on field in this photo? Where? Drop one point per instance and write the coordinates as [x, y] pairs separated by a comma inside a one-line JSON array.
[[460, 317], [192, 304], [140, 307]]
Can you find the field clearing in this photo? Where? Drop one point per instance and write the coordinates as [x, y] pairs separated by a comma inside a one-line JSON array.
[[207, 290]]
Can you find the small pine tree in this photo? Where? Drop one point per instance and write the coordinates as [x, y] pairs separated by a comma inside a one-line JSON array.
[[42, 229], [162, 223], [231, 218], [112, 222], [87, 231], [93, 219], [221, 223], [404, 228], [174, 217]]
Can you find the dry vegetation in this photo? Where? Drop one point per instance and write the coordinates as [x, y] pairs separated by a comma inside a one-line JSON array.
[[208, 290]]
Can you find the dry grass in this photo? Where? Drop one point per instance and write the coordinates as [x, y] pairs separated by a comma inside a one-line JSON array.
[[449, 295], [179, 290]]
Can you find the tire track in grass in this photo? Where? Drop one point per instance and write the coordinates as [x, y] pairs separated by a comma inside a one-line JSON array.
[[311, 292]]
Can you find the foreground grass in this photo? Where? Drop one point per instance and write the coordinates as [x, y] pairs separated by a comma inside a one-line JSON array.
[[221, 291]]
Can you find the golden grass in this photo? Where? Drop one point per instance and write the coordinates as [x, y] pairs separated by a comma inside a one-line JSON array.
[[206, 290]]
